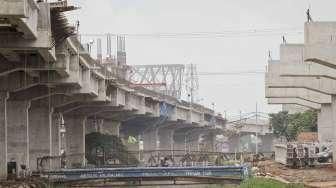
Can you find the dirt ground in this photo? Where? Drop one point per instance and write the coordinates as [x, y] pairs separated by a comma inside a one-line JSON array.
[[312, 177]]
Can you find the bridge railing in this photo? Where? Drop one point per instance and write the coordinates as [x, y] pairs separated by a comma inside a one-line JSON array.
[[219, 172]]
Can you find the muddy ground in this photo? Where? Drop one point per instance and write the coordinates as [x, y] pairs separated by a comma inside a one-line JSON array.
[[311, 177]]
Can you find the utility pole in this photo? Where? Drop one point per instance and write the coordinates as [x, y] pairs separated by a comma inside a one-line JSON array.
[[240, 126], [185, 143], [256, 129], [192, 83]]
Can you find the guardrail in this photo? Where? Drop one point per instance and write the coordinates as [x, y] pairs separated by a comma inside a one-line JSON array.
[[219, 172]]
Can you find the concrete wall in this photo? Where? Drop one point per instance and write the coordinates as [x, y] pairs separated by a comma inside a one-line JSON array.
[[323, 85]]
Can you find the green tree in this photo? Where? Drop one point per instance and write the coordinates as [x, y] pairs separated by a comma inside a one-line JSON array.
[[111, 145], [279, 124], [290, 125]]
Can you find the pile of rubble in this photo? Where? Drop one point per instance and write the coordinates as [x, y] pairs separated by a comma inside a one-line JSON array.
[[303, 175]]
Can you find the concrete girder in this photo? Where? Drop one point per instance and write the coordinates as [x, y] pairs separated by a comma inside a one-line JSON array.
[[69, 70], [29, 62], [307, 69], [17, 81], [103, 126], [120, 115], [138, 124], [132, 101], [191, 137], [38, 31], [23, 14], [98, 110], [296, 101], [320, 43], [55, 101], [39, 92], [91, 109], [92, 85], [21, 85], [190, 115], [302, 93], [322, 85]]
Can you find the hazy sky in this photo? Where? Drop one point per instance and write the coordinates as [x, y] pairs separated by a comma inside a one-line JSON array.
[[225, 54]]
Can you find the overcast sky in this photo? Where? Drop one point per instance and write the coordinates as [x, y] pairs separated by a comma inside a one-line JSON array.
[[211, 54]]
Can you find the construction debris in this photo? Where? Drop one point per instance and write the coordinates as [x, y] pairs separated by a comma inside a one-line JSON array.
[[303, 154], [303, 175]]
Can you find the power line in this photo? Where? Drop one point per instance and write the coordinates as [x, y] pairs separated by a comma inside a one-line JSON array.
[[231, 73], [220, 34]]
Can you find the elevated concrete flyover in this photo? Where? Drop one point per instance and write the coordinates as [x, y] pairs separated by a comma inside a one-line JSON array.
[[247, 131], [49, 84], [160, 133], [35, 83]]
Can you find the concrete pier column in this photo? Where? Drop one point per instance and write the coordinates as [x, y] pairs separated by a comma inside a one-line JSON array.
[[56, 140], [193, 143], [266, 143], [333, 129], [110, 127], [166, 140], [151, 143], [234, 145], [179, 141], [151, 139], [3, 135], [210, 142], [75, 140], [40, 135], [325, 123], [18, 133]]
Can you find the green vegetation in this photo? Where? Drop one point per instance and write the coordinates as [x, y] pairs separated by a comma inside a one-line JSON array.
[[290, 125], [267, 183], [260, 183], [101, 148]]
